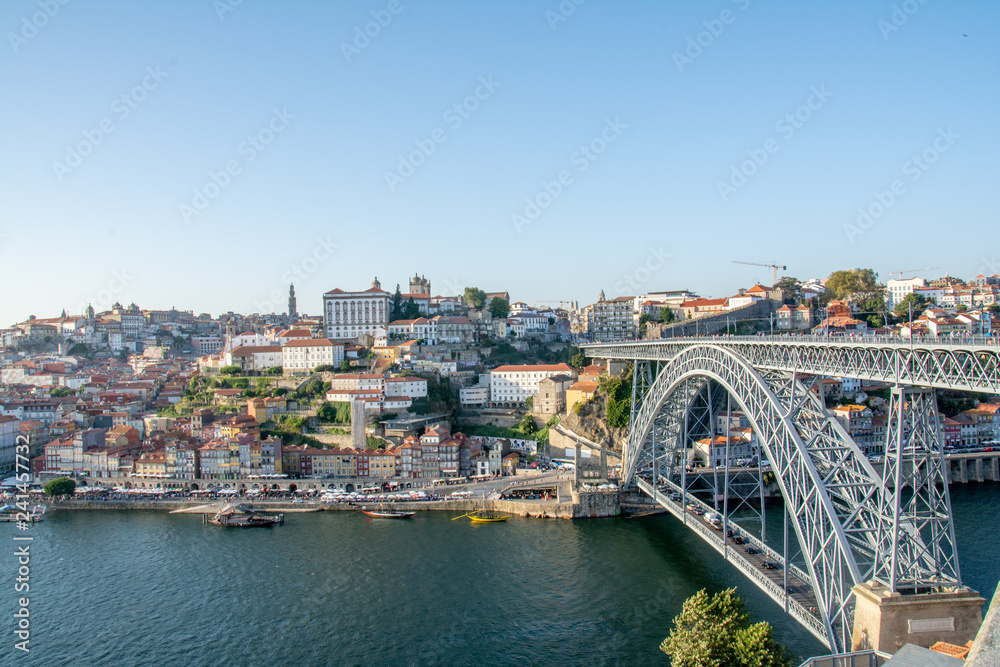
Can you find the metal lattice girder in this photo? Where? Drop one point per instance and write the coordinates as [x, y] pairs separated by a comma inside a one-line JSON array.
[[830, 489], [917, 543], [941, 365]]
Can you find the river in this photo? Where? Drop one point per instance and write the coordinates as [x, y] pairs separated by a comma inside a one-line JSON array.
[[337, 588]]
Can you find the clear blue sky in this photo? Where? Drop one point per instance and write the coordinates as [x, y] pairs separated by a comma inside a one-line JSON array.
[[680, 129]]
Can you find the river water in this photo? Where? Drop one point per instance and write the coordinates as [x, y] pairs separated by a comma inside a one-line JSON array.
[[338, 588]]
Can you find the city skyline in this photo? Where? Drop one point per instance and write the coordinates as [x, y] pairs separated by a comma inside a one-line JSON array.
[[551, 150]]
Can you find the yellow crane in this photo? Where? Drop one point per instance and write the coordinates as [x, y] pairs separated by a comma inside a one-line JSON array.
[[773, 265], [900, 273]]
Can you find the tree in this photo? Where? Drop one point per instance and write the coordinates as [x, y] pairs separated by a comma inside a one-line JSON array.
[[499, 308], [790, 289], [59, 392], [274, 370], [326, 412], [666, 315], [324, 368], [994, 308], [411, 310], [229, 370], [60, 486], [645, 317], [396, 309], [902, 308], [578, 360], [345, 366], [475, 297], [527, 425], [858, 285], [715, 630], [962, 308]]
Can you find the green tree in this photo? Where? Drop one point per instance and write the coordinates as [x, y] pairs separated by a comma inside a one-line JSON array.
[[475, 297], [229, 370], [902, 308], [962, 308], [326, 412], [59, 392], [274, 370], [994, 308], [396, 307], [858, 285], [527, 425], [60, 486], [715, 631], [578, 360], [411, 310], [499, 308], [645, 317], [324, 368], [791, 289], [666, 315]]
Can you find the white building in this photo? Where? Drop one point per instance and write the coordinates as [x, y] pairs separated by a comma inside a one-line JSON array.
[[896, 290], [9, 429], [476, 395], [302, 356], [412, 387], [514, 384], [348, 315], [255, 358], [375, 381]]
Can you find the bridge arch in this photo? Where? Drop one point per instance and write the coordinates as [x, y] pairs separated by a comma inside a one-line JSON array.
[[827, 484]]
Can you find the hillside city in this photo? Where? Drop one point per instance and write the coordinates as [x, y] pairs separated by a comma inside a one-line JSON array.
[[390, 387]]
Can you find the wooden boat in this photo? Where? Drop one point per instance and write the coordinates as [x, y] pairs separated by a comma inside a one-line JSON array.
[[13, 514], [481, 516], [244, 516], [382, 513]]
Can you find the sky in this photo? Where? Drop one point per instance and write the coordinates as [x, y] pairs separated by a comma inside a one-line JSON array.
[[203, 154]]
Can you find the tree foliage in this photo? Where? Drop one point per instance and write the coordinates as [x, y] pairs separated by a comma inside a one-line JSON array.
[[396, 308], [274, 370], [619, 391], [858, 285], [715, 631], [790, 288], [499, 308], [411, 310], [666, 315], [475, 297], [229, 370], [527, 425], [902, 309], [60, 486], [578, 360], [59, 392]]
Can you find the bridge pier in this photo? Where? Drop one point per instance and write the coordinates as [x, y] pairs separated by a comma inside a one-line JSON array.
[[994, 469], [884, 620], [963, 471], [979, 470]]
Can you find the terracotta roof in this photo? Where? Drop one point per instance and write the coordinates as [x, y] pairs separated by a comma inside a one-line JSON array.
[[312, 342], [531, 368]]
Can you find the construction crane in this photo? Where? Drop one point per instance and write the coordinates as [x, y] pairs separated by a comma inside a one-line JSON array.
[[900, 273], [774, 265]]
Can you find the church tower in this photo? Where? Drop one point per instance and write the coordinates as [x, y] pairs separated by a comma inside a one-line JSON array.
[[292, 311]]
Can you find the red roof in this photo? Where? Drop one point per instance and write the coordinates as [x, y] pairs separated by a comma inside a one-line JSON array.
[[312, 342], [533, 367]]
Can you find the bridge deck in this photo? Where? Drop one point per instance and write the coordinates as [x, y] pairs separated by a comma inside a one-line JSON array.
[[800, 601]]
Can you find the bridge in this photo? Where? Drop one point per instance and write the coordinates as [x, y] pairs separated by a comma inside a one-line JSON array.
[[847, 526]]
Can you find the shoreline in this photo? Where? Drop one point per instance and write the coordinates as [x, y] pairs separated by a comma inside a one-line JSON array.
[[586, 506]]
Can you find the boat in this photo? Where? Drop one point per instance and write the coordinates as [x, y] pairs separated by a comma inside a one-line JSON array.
[[13, 513], [244, 516], [481, 516], [382, 513]]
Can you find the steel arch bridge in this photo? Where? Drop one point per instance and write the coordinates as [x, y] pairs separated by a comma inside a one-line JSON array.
[[853, 524]]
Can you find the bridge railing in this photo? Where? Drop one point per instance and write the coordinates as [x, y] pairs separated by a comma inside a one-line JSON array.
[[958, 341], [773, 590]]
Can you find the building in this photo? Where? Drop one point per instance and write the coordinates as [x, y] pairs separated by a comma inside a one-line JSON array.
[[348, 315], [304, 355], [613, 320], [791, 318], [896, 290], [413, 387], [254, 357], [580, 392], [10, 428], [511, 385], [551, 397]]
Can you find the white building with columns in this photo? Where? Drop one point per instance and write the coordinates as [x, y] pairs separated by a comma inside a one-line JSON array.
[[347, 315]]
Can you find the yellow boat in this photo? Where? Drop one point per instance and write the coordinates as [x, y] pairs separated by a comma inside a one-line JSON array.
[[487, 517]]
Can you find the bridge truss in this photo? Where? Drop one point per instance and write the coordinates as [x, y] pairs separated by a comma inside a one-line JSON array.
[[851, 524]]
